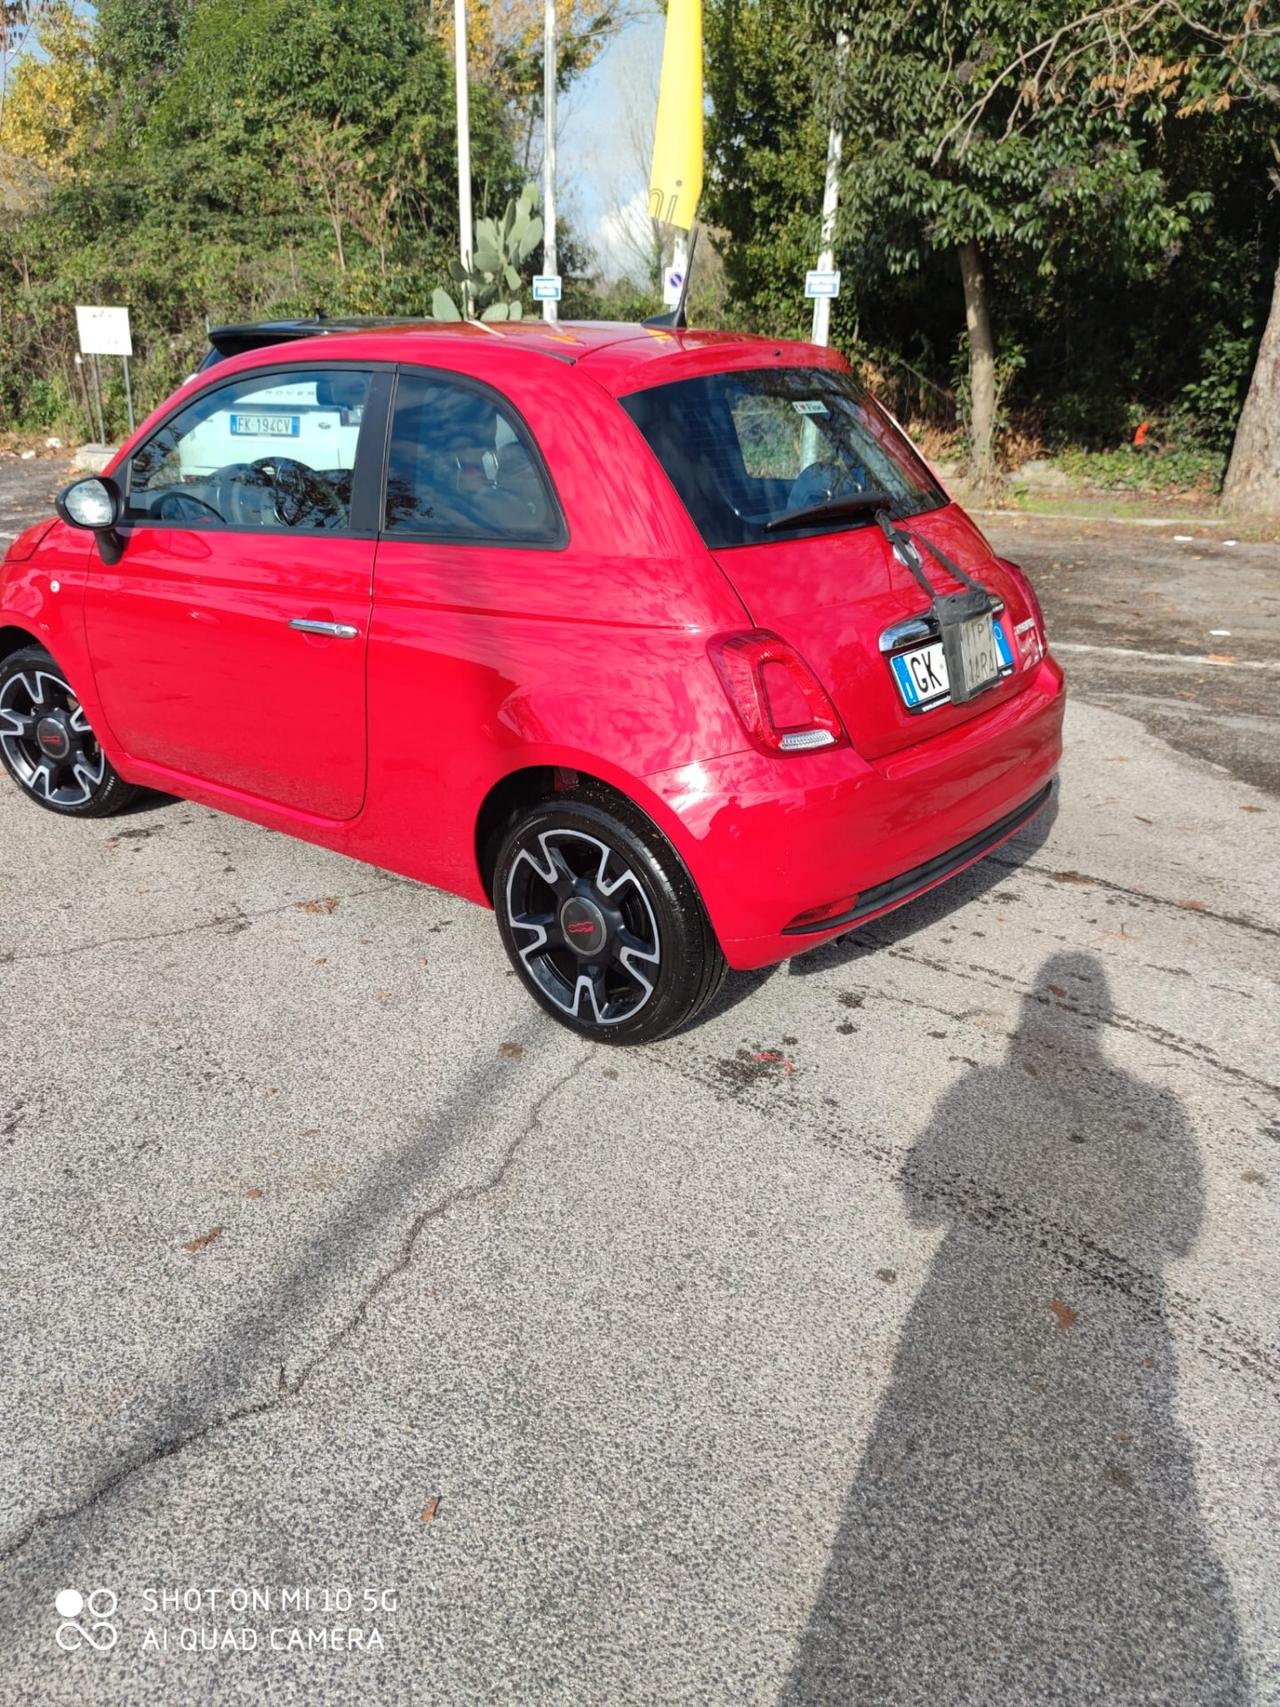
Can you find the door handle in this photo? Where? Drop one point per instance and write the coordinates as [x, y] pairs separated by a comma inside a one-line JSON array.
[[337, 630]]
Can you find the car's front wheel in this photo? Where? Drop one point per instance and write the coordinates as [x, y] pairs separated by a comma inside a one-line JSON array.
[[602, 921], [47, 745]]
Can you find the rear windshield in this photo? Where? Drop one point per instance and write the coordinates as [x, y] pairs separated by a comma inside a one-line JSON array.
[[749, 449]]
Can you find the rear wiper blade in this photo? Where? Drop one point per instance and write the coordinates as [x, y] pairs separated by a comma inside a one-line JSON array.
[[850, 504]]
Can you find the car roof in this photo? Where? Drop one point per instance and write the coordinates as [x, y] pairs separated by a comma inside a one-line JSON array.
[[620, 356]]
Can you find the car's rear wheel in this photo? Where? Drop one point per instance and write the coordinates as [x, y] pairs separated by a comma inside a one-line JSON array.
[[602, 921], [47, 745]]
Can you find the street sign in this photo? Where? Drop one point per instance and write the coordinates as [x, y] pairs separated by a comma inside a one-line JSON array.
[[817, 283], [546, 287], [104, 331], [672, 285]]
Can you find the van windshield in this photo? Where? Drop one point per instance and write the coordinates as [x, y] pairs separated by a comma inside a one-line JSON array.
[[747, 450]]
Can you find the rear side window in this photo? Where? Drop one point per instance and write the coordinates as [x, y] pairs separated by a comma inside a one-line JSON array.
[[746, 449], [463, 467]]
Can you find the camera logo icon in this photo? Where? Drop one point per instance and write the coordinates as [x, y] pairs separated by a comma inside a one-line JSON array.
[[86, 1619]]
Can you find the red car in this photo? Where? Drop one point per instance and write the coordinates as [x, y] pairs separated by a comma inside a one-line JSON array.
[[664, 644]]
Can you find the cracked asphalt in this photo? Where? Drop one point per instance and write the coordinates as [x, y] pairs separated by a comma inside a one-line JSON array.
[[906, 1332]]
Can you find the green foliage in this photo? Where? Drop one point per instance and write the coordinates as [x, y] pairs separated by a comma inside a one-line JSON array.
[[1129, 251], [492, 283], [255, 159], [1129, 469]]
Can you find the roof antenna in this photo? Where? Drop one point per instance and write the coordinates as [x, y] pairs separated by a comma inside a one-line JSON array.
[[677, 317]]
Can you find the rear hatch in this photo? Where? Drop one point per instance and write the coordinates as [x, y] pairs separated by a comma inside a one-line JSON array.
[[834, 597], [769, 462]]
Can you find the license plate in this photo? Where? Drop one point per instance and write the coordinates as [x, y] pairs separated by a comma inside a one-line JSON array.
[[267, 426], [921, 674]]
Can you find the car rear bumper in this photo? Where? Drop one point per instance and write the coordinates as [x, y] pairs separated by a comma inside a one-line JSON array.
[[769, 840]]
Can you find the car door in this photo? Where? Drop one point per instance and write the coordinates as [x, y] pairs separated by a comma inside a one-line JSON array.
[[228, 642]]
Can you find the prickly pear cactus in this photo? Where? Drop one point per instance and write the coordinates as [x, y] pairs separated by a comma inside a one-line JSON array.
[[493, 278]]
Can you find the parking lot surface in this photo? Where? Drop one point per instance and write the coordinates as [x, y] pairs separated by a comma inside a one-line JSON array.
[[904, 1332]]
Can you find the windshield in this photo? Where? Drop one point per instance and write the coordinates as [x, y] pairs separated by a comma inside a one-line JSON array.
[[746, 450]]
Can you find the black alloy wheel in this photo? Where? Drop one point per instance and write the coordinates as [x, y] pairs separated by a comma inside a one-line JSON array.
[[47, 745], [601, 920]]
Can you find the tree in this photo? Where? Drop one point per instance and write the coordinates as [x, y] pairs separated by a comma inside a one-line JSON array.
[[53, 99], [949, 155], [1168, 62]]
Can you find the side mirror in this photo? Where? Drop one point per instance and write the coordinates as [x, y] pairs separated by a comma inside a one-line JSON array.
[[94, 503]]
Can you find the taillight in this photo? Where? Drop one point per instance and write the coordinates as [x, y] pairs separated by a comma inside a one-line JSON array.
[[1031, 653], [783, 706]]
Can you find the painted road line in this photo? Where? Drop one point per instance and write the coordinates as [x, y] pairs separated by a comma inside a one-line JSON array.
[[1217, 663]]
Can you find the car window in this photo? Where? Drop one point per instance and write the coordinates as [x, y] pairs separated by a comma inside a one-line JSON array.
[[270, 451], [462, 466], [743, 449]]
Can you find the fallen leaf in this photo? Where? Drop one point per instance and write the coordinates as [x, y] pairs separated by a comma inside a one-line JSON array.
[[1193, 906], [1147, 1362], [383, 995], [430, 1509], [323, 904], [1065, 1314], [204, 1240], [311, 1132], [1253, 1176], [1070, 877], [512, 1051], [1221, 658], [1123, 1436], [1057, 989], [253, 1192], [1253, 808]]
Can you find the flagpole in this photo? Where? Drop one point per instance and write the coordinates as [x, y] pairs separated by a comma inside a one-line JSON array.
[[464, 142], [549, 308], [830, 199]]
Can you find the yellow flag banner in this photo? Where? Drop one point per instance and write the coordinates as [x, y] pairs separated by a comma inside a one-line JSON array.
[[675, 182]]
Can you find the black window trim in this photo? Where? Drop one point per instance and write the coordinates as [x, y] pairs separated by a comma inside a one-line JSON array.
[[558, 540], [368, 465]]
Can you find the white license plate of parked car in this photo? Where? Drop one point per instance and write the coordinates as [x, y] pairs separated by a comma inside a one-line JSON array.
[[921, 674]]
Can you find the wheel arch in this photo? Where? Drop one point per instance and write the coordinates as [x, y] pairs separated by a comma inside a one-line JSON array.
[[13, 639], [520, 789]]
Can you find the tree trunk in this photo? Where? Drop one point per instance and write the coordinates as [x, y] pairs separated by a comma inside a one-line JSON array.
[[982, 366], [1253, 474]]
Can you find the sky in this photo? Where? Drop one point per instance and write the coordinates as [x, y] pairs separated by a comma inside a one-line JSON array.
[[603, 171]]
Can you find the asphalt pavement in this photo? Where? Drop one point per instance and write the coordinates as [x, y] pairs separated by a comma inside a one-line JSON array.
[[905, 1332]]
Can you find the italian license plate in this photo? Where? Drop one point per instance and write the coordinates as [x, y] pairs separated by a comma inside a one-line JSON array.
[[921, 674], [267, 426]]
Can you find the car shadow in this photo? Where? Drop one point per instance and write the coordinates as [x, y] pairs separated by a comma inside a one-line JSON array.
[[1025, 1523]]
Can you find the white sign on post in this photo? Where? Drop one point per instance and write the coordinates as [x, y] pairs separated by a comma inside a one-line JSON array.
[[820, 283], [104, 331], [546, 287], [672, 285]]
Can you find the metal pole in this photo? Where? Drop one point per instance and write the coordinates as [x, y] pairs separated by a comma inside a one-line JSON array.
[[97, 386], [128, 393], [84, 389], [464, 141], [830, 200], [680, 253], [550, 309]]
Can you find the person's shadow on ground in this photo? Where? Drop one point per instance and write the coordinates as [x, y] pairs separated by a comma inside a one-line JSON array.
[[1024, 1526]]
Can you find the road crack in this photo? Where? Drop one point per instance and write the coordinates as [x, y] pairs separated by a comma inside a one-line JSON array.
[[289, 1387]]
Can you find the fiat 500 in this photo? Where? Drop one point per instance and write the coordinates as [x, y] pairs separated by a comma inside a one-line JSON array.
[[666, 645]]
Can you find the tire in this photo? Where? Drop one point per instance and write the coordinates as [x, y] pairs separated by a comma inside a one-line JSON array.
[[46, 744], [602, 922]]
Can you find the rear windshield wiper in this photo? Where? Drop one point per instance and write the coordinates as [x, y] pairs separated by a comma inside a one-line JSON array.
[[830, 509]]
